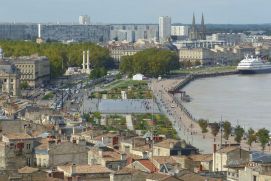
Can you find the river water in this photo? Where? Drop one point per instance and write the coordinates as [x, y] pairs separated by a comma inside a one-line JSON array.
[[240, 99]]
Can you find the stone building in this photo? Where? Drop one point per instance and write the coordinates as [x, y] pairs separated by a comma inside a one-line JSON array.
[[228, 155], [202, 56], [106, 157], [34, 70], [51, 153], [258, 168], [9, 78], [16, 150], [118, 52]]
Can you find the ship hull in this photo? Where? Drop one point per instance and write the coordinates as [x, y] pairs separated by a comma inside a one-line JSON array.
[[259, 71]]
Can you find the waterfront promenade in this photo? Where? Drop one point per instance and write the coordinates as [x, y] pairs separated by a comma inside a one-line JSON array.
[[187, 128]]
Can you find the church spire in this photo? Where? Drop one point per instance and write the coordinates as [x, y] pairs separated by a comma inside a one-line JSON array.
[[193, 21], [202, 20], [203, 29]]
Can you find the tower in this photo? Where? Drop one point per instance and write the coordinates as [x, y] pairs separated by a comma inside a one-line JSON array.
[[193, 34], [202, 29], [164, 28]]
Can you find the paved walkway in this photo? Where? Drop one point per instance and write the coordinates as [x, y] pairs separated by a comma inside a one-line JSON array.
[[188, 129], [129, 122]]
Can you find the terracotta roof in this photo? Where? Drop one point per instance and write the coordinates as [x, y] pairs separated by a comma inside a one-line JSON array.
[[143, 148], [27, 169], [228, 149], [107, 135], [85, 169], [164, 159], [166, 143], [189, 176], [108, 155], [17, 136], [149, 165], [126, 170], [202, 157], [161, 177]]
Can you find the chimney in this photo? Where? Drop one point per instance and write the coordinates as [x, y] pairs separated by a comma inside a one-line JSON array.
[[73, 169], [171, 145], [145, 155], [123, 156], [100, 153]]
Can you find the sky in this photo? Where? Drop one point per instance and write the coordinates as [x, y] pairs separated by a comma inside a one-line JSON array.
[[136, 11]]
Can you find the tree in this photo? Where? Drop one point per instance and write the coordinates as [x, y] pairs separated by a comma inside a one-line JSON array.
[[214, 128], [97, 73], [150, 62], [58, 53], [203, 125], [24, 85], [227, 129], [239, 133], [263, 136], [251, 136]]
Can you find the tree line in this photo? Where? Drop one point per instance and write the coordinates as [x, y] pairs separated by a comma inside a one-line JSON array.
[[60, 55], [150, 62], [251, 136]]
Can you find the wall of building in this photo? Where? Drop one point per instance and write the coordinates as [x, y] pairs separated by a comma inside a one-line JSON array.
[[133, 32], [67, 152]]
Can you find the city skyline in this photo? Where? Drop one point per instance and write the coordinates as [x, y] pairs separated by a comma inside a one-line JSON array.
[[119, 11]]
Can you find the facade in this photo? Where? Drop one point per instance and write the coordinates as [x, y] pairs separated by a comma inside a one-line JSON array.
[[16, 150], [258, 168], [229, 38], [133, 32], [227, 156], [56, 32], [9, 78], [84, 172], [34, 70], [118, 52], [106, 157], [203, 56], [51, 153], [164, 28], [177, 30], [197, 33], [84, 20]]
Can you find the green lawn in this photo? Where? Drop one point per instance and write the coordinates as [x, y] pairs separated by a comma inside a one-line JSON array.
[[160, 124], [134, 90]]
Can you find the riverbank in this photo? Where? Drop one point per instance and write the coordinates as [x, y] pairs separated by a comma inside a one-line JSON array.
[[186, 126]]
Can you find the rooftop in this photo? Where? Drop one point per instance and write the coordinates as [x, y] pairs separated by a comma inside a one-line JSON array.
[[17, 136], [27, 170], [85, 169], [149, 165]]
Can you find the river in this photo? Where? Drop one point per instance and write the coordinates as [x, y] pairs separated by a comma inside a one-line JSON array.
[[240, 99]]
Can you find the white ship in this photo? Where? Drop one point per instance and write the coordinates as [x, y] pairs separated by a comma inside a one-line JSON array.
[[251, 65]]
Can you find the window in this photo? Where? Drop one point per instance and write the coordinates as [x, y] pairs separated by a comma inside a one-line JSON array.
[[254, 178], [28, 161], [28, 146]]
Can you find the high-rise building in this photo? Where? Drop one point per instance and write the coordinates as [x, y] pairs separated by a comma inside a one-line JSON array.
[[164, 28], [84, 20], [179, 30], [133, 32]]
